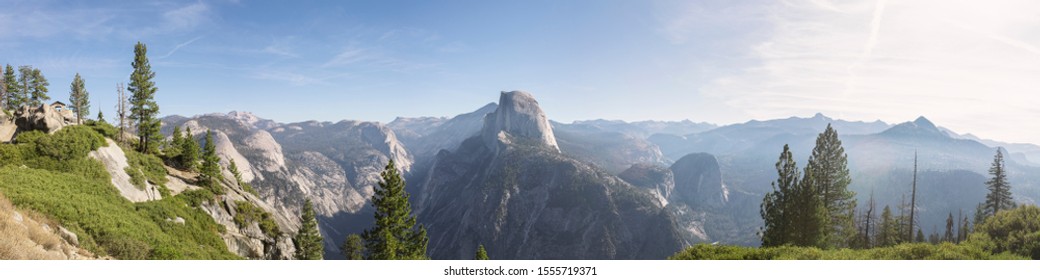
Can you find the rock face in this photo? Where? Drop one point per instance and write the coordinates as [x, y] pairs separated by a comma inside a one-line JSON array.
[[115, 163], [519, 194], [518, 116], [698, 181], [658, 180], [425, 137], [610, 150], [7, 127], [43, 118]]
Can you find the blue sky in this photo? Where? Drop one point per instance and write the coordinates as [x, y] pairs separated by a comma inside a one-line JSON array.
[[967, 66]]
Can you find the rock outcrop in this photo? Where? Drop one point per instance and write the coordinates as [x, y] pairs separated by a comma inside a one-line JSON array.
[[657, 179], [7, 127], [114, 159], [517, 118], [43, 118], [519, 194], [698, 181]]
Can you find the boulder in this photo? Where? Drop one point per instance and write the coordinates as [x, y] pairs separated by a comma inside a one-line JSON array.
[[7, 127], [43, 118]]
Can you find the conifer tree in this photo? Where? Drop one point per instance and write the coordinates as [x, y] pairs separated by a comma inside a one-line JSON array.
[[948, 236], [101, 116], [308, 240], [481, 254], [828, 165], [920, 236], [210, 173], [143, 109], [394, 235], [887, 233], [962, 234], [173, 149], [33, 88], [79, 98], [189, 158], [353, 247], [10, 89], [999, 197], [775, 209]]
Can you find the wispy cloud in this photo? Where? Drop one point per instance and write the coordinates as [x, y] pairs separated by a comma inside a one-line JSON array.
[[962, 64], [178, 47], [187, 17]]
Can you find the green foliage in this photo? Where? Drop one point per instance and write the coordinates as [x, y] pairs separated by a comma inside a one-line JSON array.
[[394, 236], [481, 254], [793, 212], [12, 90], [70, 143], [104, 128], [150, 167], [32, 88], [28, 137], [172, 150], [353, 248], [189, 157], [79, 98], [210, 173], [1015, 231], [143, 109], [247, 213], [196, 197], [308, 240], [907, 251], [830, 179], [106, 223], [999, 196]]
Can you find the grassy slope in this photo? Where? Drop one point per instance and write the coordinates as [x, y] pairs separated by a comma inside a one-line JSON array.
[[77, 193]]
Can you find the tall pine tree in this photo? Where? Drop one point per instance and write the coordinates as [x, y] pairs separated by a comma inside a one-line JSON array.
[[79, 98], [999, 197], [32, 88], [948, 235], [210, 173], [308, 240], [394, 236], [828, 165], [775, 209], [189, 158], [887, 234], [143, 109]]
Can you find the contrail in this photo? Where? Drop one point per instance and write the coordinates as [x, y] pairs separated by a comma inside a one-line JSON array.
[[178, 47], [868, 49]]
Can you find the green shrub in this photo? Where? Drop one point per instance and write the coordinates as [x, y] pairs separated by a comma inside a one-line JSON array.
[[195, 198], [103, 128], [906, 251], [150, 166], [136, 177], [1015, 231], [69, 143], [248, 213], [28, 137], [108, 223]]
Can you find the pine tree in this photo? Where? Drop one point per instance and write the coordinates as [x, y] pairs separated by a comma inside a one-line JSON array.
[[913, 199], [175, 147], [10, 89], [775, 209], [101, 116], [481, 254], [887, 233], [809, 215], [948, 236], [143, 109], [210, 173], [189, 159], [79, 98], [353, 247], [34, 86], [234, 171], [999, 197], [962, 235], [828, 165], [920, 236], [394, 236], [308, 240]]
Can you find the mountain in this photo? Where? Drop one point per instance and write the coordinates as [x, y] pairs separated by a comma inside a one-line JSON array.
[[611, 150], [643, 129], [427, 135], [512, 190]]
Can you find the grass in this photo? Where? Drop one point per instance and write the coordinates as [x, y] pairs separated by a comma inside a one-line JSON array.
[[56, 179], [907, 251]]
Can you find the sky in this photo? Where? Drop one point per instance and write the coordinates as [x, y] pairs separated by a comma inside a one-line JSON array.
[[970, 66]]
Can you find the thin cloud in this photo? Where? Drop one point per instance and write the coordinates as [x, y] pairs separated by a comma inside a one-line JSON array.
[[954, 62], [178, 47]]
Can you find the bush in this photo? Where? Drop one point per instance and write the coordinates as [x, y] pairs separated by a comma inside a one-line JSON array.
[[29, 137], [104, 128], [1015, 231], [906, 251], [149, 166], [248, 213], [69, 143]]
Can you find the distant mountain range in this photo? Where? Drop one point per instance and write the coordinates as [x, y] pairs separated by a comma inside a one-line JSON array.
[[506, 177]]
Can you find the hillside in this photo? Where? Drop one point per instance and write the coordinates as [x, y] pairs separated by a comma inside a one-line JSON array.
[[69, 177]]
